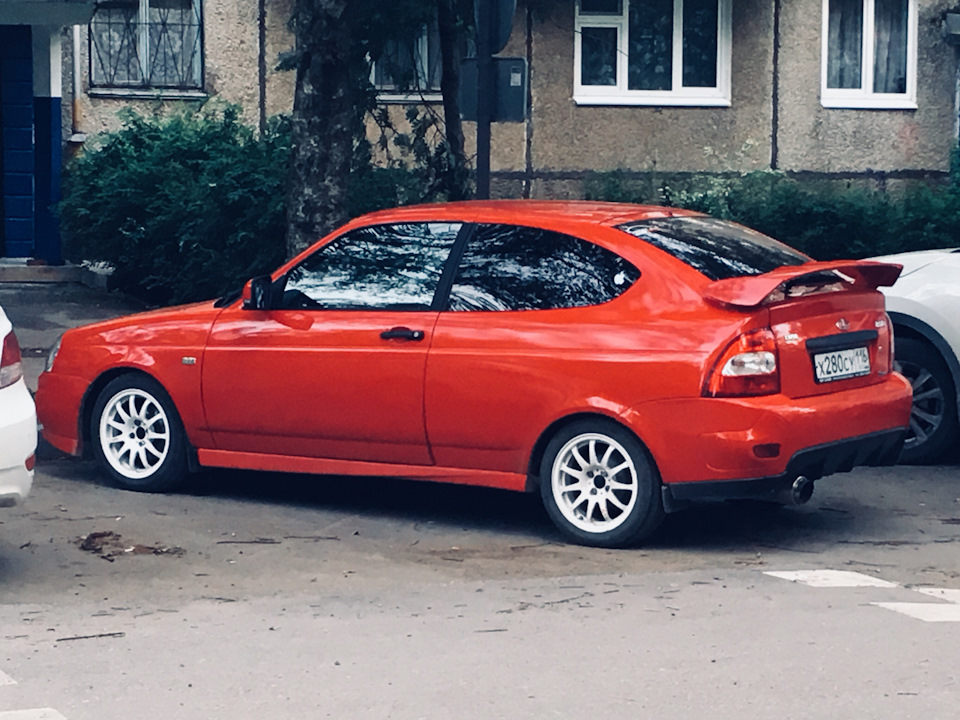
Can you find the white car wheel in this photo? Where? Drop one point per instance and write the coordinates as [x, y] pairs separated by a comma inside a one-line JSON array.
[[599, 485], [138, 435]]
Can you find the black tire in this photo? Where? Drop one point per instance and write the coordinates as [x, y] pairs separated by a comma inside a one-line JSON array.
[[137, 435], [618, 501], [933, 416]]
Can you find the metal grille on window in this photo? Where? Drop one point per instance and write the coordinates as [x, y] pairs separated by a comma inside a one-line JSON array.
[[153, 43]]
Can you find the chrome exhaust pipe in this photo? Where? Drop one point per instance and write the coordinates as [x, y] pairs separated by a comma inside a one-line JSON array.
[[801, 491]]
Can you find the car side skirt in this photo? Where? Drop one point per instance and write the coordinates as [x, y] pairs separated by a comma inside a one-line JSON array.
[[326, 466], [875, 449]]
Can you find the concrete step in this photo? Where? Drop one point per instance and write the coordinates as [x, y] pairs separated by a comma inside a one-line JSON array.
[[16, 270]]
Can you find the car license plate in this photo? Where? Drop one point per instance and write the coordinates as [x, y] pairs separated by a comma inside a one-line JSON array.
[[841, 364]]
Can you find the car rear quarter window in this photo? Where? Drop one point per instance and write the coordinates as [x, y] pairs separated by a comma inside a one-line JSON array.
[[383, 267], [509, 267], [717, 248]]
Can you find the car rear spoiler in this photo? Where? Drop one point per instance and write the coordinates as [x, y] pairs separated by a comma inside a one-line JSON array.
[[753, 290]]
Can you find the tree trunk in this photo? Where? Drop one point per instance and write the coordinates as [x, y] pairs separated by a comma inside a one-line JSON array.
[[327, 117], [458, 183]]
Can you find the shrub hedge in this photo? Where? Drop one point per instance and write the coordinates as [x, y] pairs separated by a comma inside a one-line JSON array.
[[187, 206], [827, 220]]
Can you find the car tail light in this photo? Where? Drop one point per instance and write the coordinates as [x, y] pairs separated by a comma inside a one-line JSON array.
[[748, 366], [885, 350], [11, 368]]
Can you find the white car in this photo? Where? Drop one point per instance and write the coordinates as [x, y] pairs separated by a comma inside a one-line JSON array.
[[18, 422], [924, 305]]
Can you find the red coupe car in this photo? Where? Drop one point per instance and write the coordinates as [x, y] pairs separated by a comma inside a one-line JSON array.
[[620, 360]]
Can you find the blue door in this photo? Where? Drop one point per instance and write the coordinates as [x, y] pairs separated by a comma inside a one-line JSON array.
[[16, 140]]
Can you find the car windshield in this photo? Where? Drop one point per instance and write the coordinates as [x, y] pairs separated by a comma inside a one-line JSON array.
[[717, 248]]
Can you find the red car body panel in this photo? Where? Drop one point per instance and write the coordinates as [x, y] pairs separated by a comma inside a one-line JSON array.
[[472, 400]]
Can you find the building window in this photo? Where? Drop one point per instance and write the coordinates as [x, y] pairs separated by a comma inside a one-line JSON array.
[[147, 44], [869, 54], [410, 69], [653, 52]]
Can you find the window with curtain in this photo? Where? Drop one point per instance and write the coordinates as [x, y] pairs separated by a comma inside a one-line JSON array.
[[412, 67], [147, 44], [869, 53], [653, 52]]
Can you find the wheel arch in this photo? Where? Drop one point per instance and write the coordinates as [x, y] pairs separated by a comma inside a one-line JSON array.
[[540, 446], [908, 326]]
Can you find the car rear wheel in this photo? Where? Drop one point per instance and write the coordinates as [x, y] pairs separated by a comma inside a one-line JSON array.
[[599, 485], [933, 415], [137, 435]]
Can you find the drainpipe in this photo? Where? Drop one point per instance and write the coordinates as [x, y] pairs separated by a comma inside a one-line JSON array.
[[951, 33], [77, 138]]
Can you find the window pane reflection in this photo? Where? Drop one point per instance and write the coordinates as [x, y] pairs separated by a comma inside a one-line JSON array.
[[392, 267], [507, 267], [717, 248]]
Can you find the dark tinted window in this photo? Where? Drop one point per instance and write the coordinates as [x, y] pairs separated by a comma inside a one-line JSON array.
[[505, 267], [717, 248], [391, 267]]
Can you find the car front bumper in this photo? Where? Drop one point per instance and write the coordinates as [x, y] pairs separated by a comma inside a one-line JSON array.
[[18, 443]]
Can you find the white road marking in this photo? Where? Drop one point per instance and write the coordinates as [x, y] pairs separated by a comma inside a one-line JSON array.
[[831, 578], [6, 679], [928, 612], [36, 714], [950, 595]]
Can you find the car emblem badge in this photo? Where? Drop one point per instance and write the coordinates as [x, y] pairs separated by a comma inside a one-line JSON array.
[[842, 324]]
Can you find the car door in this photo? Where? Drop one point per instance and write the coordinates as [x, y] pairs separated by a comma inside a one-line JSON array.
[[336, 368], [522, 338]]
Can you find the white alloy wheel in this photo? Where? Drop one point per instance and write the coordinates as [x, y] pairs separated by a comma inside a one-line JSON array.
[[594, 482], [134, 433]]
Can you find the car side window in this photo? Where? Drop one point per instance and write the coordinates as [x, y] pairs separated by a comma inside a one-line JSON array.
[[508, 267], [383, 267]]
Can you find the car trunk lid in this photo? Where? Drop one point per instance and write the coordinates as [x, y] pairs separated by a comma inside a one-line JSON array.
[[831, 328]]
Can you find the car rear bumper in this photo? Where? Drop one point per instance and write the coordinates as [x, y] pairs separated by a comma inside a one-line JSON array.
[[714, 440], [18, 443], [880, 448]]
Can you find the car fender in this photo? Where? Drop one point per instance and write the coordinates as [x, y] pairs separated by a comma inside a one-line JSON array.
[[931, 335]]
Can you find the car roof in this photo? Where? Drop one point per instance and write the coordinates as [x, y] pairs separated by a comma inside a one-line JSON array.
[[523, 211]]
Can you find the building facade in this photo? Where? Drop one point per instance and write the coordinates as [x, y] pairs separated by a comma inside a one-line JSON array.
[[837, 89]]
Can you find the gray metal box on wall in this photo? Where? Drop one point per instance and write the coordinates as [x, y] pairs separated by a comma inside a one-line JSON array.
[[510, 100]]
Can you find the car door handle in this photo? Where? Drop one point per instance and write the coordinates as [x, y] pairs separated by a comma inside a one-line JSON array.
[[402, 333]]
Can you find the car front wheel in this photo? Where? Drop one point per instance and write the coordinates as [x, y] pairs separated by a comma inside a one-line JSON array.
[[599, 485], [933, 415], [137, 435]]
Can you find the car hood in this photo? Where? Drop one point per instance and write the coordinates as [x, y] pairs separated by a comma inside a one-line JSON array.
[[917, 259]]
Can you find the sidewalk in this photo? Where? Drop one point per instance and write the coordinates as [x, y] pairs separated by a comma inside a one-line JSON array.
[[41, 311]]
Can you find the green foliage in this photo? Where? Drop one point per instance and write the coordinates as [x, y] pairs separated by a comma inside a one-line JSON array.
[[183, 207], [826, 220], [441, 174]]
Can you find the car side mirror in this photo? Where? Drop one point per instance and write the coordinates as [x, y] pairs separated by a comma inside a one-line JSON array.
[[258, 293]]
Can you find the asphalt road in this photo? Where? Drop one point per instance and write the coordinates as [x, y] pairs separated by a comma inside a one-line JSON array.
[[253, 596]]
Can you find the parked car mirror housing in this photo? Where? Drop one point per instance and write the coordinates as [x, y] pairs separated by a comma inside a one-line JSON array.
[[258, 293]]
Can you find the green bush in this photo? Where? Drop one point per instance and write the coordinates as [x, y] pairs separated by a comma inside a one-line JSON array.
[[184, 207], [827, 220], [187, 207]]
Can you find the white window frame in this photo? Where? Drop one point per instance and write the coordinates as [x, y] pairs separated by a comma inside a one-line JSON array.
[[422, 60], [719, 96], [864, 97]]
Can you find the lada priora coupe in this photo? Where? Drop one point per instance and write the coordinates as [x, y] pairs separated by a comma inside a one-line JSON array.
[[18, 421], [620, 360]]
